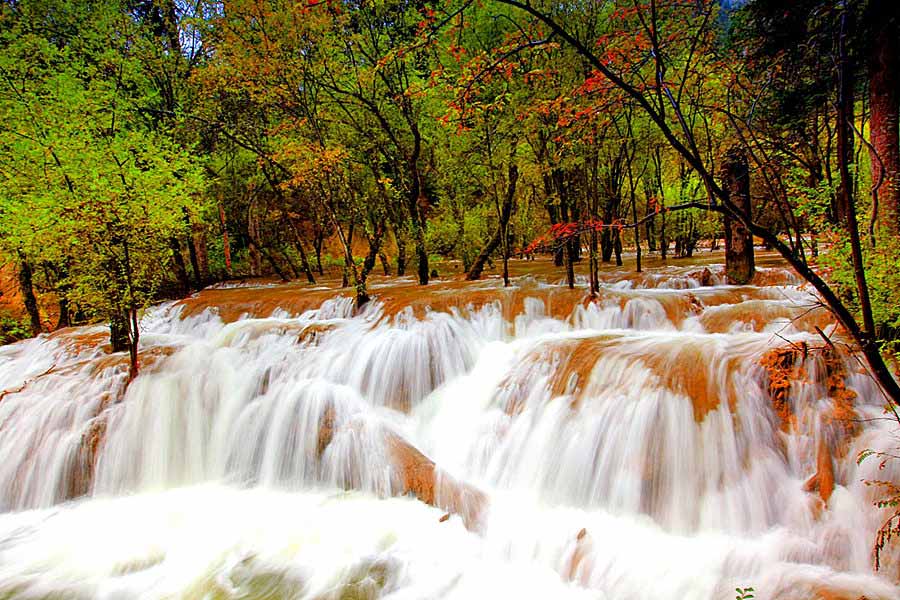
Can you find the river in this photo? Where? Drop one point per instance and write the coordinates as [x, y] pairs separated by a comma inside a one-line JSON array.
[[460, 441]]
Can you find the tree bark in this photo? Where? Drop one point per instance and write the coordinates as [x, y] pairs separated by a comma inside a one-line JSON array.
[[739, 259], [866, 340], [65, 318], [198, 239], [846, 205], [26, 287], [416, 204], [318, 240], [637, 230], [118, 332], [226, 244], [254, 247], [298, 245], [401, 255], [178, 265], [884, 102], [505, 214]]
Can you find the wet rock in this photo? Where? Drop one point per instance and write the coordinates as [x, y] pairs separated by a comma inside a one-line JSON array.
[[784, 366], [85, 460], [419, 476], [823, 480], [705, 277]]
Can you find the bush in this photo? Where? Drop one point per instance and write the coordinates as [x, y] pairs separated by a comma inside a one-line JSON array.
[[13, 329]]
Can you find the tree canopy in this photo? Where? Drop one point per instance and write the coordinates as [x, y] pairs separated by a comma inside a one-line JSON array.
[[151, 147]]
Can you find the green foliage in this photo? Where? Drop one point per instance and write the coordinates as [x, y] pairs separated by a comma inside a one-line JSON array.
[[86, 185], [744, 593], [13, 329]]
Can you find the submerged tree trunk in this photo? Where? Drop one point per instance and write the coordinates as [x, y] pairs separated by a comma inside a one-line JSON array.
[[739, 260]]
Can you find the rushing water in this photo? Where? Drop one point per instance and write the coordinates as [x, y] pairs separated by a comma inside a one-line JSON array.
[[624, 448]]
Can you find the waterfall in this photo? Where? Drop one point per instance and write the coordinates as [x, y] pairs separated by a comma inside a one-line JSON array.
[[463, 441]]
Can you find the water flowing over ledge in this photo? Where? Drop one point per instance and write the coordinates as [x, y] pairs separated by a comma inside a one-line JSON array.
[[459, 441]]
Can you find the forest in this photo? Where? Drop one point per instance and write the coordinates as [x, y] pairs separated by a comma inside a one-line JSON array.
[[151, 148], [330, 299]]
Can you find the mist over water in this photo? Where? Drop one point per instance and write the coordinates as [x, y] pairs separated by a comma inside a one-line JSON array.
[[521, 443]]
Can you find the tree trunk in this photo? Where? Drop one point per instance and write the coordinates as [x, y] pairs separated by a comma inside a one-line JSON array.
[[26, 287], [298, 245], [401, 255], [606, 243], [637, 230], [739, 258], [617, 247], [254, 247], [226, 244], [884, 100], [178, 265], [421, 254], [505, 214], [198, 239], [118, 332], [195, 263], [846, 205], [318, 240], [65, 318]]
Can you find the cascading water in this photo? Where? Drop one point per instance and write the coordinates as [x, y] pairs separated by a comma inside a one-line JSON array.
[[519, 442]]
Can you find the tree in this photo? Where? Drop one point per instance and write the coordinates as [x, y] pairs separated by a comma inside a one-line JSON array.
[[657, 92], [86, 189]]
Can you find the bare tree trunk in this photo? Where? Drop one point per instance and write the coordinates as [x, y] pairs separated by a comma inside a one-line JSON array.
[[739, 259]]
